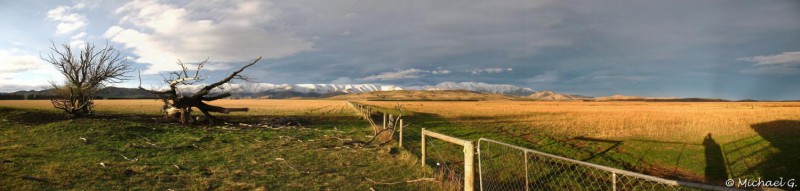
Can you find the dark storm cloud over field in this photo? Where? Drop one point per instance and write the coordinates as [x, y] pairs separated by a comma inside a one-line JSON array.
[[725, 49]]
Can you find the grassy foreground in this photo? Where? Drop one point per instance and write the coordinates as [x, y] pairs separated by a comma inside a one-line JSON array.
[[42, 150], [129, 146]]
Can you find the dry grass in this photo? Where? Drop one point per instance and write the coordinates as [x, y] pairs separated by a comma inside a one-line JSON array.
[[439, 95], [665, 139], [668, 121], [257, 107]]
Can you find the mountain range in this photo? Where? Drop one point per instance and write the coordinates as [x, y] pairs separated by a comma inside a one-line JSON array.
[[260, 90], [444, 90], [278, 91]]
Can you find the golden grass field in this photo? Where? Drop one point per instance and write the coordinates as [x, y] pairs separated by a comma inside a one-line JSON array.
[[257, 107], [696, 141], [666, 121]]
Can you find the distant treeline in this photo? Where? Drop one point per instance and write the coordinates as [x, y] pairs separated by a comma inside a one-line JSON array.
[[11, 96]]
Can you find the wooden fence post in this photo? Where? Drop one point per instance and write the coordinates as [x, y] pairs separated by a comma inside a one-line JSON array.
[[469, 173], [469, 155], [423, 147], [400, 142], [384, 120]]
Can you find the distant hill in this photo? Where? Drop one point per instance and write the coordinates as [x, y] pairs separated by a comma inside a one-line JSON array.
[[124, 93], [620, 97], [680, 100], [427, 95], [441, 91], [548, 95], [105, 93], [553, 96], [479, 87], [286, 91], [282, 91]]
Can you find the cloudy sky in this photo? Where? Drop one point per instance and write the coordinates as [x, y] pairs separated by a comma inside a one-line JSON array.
[[732, 49]]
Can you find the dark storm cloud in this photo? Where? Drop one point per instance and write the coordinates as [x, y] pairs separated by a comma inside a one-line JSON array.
[[656, 48], [682, 48]]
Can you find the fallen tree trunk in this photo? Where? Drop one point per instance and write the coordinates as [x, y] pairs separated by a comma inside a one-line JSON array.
[[180, 106]]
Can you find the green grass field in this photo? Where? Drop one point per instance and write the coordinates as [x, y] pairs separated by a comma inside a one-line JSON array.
[[40, 149]]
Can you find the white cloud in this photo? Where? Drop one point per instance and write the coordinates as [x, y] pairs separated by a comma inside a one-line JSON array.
[[549, 76], [68, 20], [403, 74], [772, 70], [490, 70], [76, 41], [14, 63], [160, 33], [778, 64], [78, 36], [440, 72], [79, 6], [783, 58], [19, 70]]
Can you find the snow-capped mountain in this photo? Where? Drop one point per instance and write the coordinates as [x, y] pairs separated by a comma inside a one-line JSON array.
[[334, 89], [299, 88]]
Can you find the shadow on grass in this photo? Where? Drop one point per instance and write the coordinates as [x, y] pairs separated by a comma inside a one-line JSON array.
[[41, 117], [607, 152], [773, 154], [785, 136], [32, 116], [595, 150], [715, 163]]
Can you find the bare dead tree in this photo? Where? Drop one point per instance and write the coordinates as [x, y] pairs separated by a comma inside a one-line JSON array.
[[85, 73], [176, 103]]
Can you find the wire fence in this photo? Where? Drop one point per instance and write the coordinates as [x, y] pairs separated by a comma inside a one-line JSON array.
[[447, 161], [503, 166]]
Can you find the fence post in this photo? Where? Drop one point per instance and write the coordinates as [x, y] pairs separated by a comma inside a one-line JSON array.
[[400, 142], [526, 170], [469, 173], [384, 120], [614, 181], [423, 147], [480, 168]]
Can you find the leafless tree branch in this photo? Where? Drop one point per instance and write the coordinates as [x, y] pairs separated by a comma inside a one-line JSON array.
[[184, 104], [85, 73]]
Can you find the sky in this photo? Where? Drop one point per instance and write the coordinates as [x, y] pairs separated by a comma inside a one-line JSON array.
[[731, 49]]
